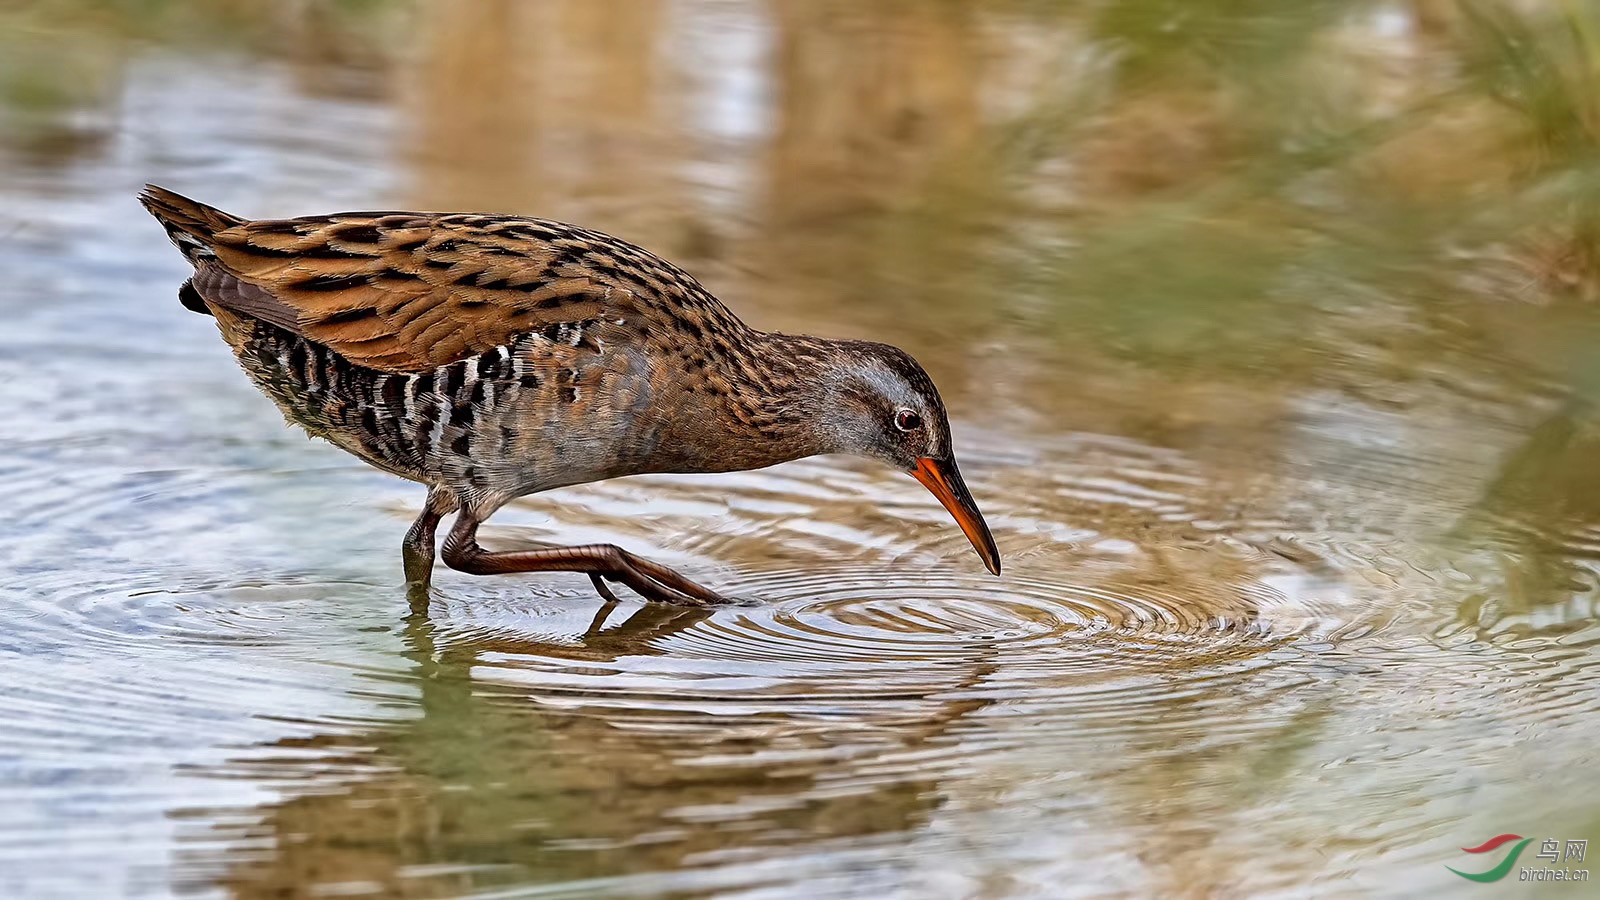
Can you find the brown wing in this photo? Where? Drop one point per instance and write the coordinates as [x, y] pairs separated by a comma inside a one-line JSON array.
[[403, 291]]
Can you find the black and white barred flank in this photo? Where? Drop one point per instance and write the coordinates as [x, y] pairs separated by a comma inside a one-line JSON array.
[[407, 423]]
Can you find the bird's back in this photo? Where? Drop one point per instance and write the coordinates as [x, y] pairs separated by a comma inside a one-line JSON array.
[[489, 354]]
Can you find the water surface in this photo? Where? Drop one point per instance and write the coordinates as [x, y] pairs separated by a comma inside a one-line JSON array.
[[1291, 460]]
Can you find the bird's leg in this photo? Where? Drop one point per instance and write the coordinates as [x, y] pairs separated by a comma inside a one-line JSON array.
[[417, 551], [609, 562]]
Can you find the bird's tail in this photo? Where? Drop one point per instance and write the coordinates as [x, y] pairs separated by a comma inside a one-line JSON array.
[[190, 223]]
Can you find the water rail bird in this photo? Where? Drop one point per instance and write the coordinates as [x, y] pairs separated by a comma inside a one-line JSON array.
[[489, 357]]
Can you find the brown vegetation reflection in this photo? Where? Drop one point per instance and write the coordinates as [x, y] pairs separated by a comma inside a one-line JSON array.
[[491, 785]]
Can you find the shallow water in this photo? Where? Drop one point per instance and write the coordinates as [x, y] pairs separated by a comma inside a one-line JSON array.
[[1300, 591]]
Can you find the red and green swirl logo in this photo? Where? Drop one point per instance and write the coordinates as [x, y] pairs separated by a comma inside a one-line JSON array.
[[1500, 871]]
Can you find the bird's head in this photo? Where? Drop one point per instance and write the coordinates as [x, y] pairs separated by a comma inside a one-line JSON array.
[[874, 400]]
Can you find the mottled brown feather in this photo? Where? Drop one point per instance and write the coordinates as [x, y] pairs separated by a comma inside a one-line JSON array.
[[406, 292]]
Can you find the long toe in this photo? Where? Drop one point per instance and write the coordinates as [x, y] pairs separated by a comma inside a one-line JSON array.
[[656, 592], [669, 578], [659, 584], [601, 589]]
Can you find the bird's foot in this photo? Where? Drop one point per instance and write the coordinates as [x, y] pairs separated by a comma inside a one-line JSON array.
[[658, 584]]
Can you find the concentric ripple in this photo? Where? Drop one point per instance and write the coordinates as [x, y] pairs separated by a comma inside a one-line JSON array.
[[845, 635], [853, 611]]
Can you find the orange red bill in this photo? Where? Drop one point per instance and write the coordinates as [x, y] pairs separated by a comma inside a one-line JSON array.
[[943, 480]]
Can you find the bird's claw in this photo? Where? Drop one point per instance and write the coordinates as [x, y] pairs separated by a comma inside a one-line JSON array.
[[658, 584]]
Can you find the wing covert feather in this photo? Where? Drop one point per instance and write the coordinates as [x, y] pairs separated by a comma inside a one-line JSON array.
[[405, 292]]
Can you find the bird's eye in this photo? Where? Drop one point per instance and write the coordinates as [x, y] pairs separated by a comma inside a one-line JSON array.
[[906, 420]]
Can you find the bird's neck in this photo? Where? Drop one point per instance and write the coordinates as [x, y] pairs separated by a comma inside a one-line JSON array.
[[788, 386], [767, 401]]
